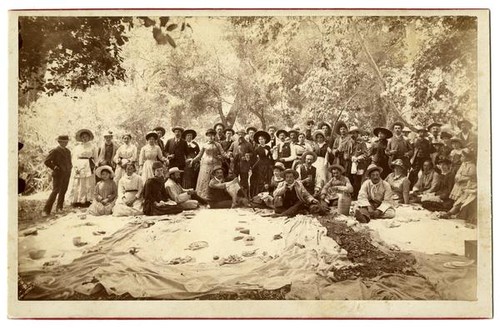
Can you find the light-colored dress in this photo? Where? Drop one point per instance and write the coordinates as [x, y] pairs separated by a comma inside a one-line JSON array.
[[400, 186], [103, 190], [128, 188], [124, 155], [149, 154], [83, 179], [209, 158], [321, 165]]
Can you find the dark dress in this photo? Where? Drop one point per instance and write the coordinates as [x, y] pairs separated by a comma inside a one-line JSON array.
[[262, 170], [191, 172], [377, 152], [154, 191]]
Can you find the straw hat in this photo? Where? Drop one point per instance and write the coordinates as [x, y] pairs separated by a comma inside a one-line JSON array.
[[303, 158], [173, 170], [151, 134], [78, 135], [288, 171], [467, 122], [398, 163], [177, 128], [251, 128], [98, 171], [318, 132], [108, 134], [279, 165], [337, 166], [398, 123], [373, 167], [216, 168], [354, 129], [63, 138], [281, 131]]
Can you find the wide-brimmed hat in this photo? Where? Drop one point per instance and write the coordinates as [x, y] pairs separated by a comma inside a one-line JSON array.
[[321, 124], [294, 131], [336, 166], [62, 138], [373, 167], [108, 134], [82, 131], [263, 133], [446, 134], [339, 125], [210, 131], [406, 130], [216, 168], [189, 131], [241, 131], [303, 158], [228, 129], [151, 134], [163, 131], [387, 132], [444, 160], [354, 129], [127, 135], [219, 124], [157, 165], [177, 128], [272, 126], [282, 131], [457, 140], [251, 128], [398, 163], [279, 165], [173, 170], [465, 121], [434, 124], [295, 173], [99, 170], [318, 132], [398, 123], [310, 122], [420, 128]]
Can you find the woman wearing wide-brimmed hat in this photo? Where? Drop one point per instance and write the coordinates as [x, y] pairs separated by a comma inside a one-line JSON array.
[[210, 156], [327, 130], [190, 172], [262, 170], [377, 150], [341, 146], [126, 153], [321, 149], [130, 186], [150, 153], [400, 184], [456, 153], [84, 162], [105, 192]]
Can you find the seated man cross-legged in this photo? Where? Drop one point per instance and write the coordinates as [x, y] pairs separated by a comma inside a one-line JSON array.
[[222, 194], [186, 198]]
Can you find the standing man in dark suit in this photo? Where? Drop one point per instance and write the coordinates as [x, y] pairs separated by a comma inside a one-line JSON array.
[[176, 149], [59, 160], [161, 132]]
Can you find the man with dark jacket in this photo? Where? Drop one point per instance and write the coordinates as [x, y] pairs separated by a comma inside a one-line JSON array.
[[59, 161], [176, 149]]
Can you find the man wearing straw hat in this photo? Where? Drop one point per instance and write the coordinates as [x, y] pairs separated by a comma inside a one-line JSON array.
[[185, 198], [307, 172], [107, 151], [59, 161], [398, 147], [375, 197]]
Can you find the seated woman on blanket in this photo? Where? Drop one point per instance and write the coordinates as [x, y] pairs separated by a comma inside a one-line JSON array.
[[427, 183], [130, 186], [265, 199], [399, 182], [156, 201], [440, 201], [105, 193]]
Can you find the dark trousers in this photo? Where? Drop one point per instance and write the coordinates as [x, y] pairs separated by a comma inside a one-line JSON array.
[[198, 198], [60, 183], [415, 168], [356, 181], [221, 204]]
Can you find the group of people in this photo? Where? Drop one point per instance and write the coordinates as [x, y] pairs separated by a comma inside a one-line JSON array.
[[298, 170]]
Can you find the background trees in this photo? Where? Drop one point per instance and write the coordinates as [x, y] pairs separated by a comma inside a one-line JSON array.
[[133, 73]]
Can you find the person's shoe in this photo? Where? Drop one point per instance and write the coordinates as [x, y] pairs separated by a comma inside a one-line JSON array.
[[361, 218]]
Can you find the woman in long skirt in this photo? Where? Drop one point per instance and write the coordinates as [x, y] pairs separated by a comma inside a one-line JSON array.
[[262, 170], [150, 153], [104, 193], [321, 164], [191, 172], [129, 202], [126, 153], [83, 178], [210, 155]]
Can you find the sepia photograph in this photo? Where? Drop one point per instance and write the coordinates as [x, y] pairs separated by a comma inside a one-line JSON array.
[[250, 163]]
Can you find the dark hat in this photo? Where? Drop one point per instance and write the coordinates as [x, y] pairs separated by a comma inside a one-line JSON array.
[[83, 131], [177, 128], [151, 134], [398, 163], [457, 140], [279, 165], [157, 165], [437, 142], [321, 124], [434, 124], [219, 124], [386, 131], [210, 132], [464, 121], [318, 132], [63, 138], [282, 131], [108, 134], [163, 131], [98, 171], [295, 131], [446, 134], [337, 166], [216, 168], [339, 125], [288, 171], [310, 122], [315, 156], [251, 128], [373, 167], [444, 160], [228, 129], [398, 123], [263, 133], [188, 131]]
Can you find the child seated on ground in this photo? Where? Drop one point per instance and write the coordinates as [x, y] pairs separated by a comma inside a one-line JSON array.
[[105, 193]]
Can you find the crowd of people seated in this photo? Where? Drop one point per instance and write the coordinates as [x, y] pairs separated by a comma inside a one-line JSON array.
[[312, 170]]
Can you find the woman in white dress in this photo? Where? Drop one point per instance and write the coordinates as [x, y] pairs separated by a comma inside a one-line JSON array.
[[83, 178], [321, 149], [210, 155], [126, 153], [150, 153], [129, 202]]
